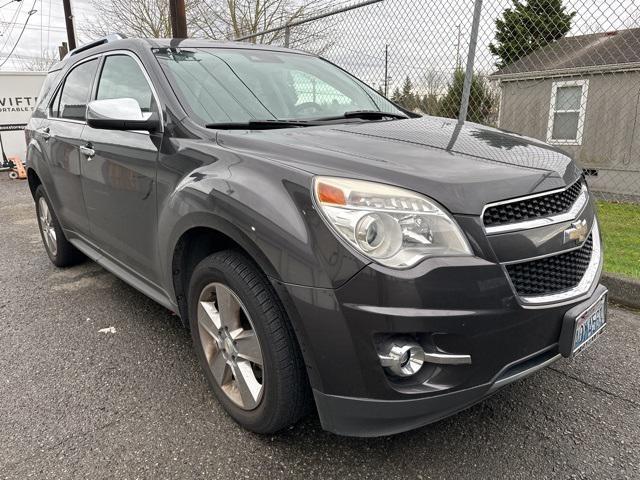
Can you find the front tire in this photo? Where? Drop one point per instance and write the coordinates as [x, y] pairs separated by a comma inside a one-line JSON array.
[[60, 251], [245, 344]]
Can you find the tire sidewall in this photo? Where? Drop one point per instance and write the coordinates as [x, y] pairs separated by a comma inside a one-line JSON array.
[[204, 274]]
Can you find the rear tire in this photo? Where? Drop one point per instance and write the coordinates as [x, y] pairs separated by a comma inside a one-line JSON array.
[[262, 385], [60, 251]]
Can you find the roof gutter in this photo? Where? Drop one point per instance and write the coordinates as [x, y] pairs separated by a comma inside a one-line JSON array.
[[566, 72]]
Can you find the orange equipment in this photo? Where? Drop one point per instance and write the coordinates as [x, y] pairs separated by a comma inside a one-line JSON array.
[[17, 172]]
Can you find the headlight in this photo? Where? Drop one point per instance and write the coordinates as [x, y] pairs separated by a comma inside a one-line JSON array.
[[392, 226]]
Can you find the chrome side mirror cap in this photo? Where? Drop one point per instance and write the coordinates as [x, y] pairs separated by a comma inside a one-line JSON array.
[[120, 114]]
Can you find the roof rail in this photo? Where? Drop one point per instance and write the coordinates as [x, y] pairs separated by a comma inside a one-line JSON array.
[[101, 41]]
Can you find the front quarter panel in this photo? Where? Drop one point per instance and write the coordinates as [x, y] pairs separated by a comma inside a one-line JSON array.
[[262, 205]]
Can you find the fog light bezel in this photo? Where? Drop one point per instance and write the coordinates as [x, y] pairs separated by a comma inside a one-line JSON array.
[[391, 358]]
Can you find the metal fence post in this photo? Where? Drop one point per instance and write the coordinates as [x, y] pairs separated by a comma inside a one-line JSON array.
[[287, 36], [468, 76]]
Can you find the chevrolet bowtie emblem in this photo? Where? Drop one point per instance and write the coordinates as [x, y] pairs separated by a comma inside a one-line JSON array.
[[577, 232]]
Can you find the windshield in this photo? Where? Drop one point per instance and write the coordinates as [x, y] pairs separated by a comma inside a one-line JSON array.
[[240, 85]]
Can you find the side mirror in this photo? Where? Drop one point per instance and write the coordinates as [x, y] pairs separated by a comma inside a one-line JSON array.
[[120, 114]]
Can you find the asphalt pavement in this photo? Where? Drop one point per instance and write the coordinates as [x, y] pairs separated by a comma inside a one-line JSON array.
[[130, 402]]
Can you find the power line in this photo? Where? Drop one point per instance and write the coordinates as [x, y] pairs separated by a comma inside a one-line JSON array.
[[9, 2], [10, 29], [30, 14], [35, 27]]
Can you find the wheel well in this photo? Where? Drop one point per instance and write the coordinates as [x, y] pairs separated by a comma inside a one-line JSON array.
[[34, 181], [198, 243], [195, 245]]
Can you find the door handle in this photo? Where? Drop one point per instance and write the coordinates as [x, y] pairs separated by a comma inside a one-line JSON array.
[[45, 133], [87, 151]]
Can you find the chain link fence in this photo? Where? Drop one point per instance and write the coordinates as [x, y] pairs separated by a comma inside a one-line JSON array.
[[563, 71]]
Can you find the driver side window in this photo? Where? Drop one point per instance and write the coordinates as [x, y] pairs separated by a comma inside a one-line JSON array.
[[122, 77]]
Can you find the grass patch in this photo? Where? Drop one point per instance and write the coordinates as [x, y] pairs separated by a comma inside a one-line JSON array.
[[620, 225]]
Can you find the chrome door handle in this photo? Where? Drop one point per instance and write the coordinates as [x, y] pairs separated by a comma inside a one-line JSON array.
[[87, 151], [45, 133]]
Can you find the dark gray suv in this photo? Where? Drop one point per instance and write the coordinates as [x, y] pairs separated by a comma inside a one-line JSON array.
[[324, 246]]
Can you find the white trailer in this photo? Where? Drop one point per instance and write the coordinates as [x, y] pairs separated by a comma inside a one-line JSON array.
[[18, 95]]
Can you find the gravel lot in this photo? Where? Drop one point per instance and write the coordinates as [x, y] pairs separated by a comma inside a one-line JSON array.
[[75, 402]]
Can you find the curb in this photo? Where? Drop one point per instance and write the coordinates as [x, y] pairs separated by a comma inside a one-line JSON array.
[[623, 290]]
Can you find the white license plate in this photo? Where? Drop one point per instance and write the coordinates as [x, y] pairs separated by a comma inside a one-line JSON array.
[[590, 324]]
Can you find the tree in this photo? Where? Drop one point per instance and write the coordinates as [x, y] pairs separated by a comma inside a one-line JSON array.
[[140, 18], [405, 96], [43, 63], [408, 97], [238, 18], [215, 19], [434, 84], [433, 81], [528, 26], [428, 104], [482, 101], [396, 97], [231, 19]]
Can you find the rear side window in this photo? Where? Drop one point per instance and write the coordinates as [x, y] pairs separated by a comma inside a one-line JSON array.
[[71, 101], [47, 85], [122, 78]]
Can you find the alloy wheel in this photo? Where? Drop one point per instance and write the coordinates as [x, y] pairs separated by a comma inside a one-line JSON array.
[[46, 226], [231, 345]]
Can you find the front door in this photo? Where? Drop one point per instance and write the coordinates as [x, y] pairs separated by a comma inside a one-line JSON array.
[[60, 138], [119, 172]]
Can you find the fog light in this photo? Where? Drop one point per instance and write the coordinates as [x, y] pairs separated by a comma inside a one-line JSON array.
[[402, 358]]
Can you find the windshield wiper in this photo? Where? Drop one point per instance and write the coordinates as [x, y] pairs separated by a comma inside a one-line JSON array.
[[275, 123], [365, 115], [261, 124]]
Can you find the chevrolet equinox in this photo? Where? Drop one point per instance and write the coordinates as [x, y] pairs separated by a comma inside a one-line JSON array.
[[325, 247]]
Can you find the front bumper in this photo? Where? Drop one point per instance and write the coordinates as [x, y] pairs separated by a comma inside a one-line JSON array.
[[364, 417], [471, 310]]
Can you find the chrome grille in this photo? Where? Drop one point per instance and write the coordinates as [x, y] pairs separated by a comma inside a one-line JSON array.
[[531, 208], [552, 274]]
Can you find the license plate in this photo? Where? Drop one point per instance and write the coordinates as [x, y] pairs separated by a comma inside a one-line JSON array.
[[589, 325]]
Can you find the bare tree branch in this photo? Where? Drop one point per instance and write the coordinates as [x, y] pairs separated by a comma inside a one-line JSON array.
[[217, 19], [41, 64]]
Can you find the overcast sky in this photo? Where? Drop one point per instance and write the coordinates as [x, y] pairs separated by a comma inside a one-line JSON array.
[[44, 32], [422, 34]]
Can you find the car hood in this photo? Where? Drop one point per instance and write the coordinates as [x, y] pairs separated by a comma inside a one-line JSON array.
[[462, 166]]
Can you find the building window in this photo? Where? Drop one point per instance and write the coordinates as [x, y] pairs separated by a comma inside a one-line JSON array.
[[566, 112]]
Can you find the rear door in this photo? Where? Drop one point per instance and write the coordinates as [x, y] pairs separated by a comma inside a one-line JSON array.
[[119, 178], [60, 136]]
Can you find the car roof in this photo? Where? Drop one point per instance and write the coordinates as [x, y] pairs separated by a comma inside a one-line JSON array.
[[109, 43]]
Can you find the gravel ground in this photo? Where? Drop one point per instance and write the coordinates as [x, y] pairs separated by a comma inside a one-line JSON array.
[[75, 402]]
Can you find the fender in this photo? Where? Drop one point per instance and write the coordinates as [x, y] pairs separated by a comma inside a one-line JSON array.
[[270, 214], [211, 221]]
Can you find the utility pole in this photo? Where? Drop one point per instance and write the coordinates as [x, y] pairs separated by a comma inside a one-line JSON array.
[[386, 70], [178, 18], [287, 36], [68, 20]]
